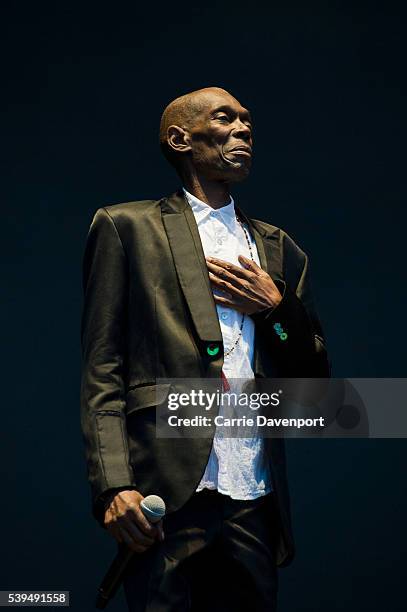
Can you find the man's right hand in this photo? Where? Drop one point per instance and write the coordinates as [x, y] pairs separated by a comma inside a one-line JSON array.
[[125, 521]]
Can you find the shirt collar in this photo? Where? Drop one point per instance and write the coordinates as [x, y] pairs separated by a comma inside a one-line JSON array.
[[201, 210]]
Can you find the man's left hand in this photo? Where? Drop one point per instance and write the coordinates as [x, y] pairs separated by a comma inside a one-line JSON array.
[[247, 290]]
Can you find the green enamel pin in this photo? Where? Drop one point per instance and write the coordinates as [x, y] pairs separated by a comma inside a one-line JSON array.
[[212, 350]]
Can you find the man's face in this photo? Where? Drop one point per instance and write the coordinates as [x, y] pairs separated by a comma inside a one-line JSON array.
[[221, 138]]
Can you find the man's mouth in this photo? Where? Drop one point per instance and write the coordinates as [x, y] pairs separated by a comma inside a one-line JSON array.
[[238, 157], [241, 150]]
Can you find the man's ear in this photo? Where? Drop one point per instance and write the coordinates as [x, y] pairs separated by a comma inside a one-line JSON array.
[[178, 139]]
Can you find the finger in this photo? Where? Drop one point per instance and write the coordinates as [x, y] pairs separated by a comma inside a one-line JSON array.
[[138, 536], [160, 530], [110, 524], [128, 540], [142, 523], [249, 264], [223, 273], [229, 303], [220, 266], [225, 286], [114, 531], [223, 293]]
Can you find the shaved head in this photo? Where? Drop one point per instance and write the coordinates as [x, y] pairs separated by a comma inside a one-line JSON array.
[[183, 112], [207, 132]]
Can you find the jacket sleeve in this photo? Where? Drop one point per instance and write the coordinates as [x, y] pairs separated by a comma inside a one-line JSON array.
[[103, 339], [293, 329]]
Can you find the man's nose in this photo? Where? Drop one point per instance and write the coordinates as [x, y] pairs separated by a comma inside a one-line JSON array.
[[241, 129]]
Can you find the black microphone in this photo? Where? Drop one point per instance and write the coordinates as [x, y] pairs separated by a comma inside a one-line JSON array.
[[153, 508]]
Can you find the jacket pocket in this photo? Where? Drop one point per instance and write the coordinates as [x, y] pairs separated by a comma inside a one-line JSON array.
[[146, 396]]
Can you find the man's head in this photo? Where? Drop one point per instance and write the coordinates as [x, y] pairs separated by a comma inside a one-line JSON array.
[[208, 132]]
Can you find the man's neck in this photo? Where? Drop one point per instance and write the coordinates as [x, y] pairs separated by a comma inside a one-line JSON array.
[[212, 193]]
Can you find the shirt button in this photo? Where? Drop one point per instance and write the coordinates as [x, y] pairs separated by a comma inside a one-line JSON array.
[[224, 316], [213, 214], [219, 241]]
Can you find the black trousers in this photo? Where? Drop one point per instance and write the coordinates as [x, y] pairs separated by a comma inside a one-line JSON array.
[[217, 556]]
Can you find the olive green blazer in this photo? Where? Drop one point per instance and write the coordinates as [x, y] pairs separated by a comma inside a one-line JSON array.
[[149, 313]]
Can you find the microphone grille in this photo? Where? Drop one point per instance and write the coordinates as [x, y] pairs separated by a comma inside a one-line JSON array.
[[153, 507]]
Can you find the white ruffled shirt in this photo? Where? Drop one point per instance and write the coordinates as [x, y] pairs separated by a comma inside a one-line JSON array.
[[237, 466]]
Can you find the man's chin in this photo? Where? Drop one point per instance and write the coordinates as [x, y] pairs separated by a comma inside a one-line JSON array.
[[233, 172], [227, 172], [235, 175]]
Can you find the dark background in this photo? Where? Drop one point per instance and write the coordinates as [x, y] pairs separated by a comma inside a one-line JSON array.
[[82, 90]]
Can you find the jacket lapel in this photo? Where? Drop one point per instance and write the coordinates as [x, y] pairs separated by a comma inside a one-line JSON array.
[[189, 259], [268, 246]]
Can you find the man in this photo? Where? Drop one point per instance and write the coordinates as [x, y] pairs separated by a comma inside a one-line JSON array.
[[188, 286]]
